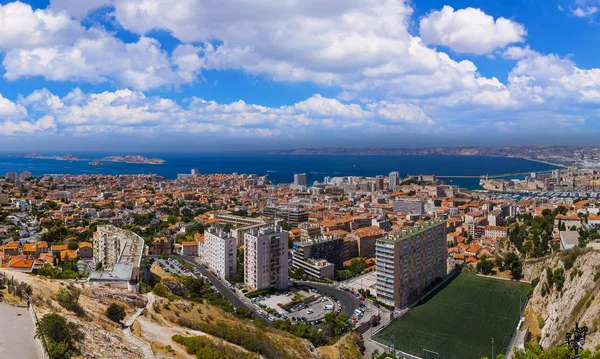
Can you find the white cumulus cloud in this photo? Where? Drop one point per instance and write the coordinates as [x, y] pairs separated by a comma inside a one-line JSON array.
[[469, 30]]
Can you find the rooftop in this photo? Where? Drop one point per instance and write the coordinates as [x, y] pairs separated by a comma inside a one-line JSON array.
[[406, 233]]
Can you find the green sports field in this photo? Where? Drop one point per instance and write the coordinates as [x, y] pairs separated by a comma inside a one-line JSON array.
[[460, 321]]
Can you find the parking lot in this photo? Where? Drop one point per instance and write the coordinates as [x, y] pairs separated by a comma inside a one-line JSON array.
[[313, 308], [171, 266]]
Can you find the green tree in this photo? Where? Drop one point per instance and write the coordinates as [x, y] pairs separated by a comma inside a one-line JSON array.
[[115, 312], [59, 336], [514, 265], [485, 266]]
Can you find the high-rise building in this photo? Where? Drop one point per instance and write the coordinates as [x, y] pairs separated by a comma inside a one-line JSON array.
[[394, 180], [195, 172], [410, 261], [265, 258], [379, 183], [11, 176], [300, 179], [24, 175], [220, 252]]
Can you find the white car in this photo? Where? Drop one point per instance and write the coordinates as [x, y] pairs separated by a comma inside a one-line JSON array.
[[309, 311]]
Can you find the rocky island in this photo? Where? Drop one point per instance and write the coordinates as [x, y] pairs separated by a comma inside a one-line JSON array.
[[134, 159], [68, 157]]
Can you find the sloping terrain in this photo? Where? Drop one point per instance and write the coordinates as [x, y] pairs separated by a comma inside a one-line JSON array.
[[153, 330], [567, 292]]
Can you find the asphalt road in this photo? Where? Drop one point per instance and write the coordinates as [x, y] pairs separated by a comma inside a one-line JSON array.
[[17, 334], [233, 299], [349, 302]]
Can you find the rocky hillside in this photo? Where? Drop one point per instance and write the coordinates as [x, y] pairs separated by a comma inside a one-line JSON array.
[[153, 331], [567, 292]]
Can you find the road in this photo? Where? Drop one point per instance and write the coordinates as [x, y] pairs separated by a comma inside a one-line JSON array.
[[17, 334], [349, 302], [232, 297]]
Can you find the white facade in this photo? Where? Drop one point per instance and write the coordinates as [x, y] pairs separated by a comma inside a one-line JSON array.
[[114, 245], [220, 252], [265, 258]]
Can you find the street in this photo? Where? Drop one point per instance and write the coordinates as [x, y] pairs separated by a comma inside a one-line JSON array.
[[349, 302], [232, 297]]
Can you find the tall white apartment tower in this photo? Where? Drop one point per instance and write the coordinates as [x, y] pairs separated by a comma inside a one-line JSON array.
[[300, 179], [266, 258], [220, 252], [394, 180], [409, 261]]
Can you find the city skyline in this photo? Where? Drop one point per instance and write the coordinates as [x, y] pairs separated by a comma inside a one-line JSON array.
[[147, 75]]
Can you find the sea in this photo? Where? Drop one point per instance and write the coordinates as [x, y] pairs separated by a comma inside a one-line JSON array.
[[280, 168]]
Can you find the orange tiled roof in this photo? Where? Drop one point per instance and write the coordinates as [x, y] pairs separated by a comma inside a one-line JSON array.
[[59, 247]]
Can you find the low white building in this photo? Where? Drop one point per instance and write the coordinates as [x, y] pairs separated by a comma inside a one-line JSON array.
[[569, 239]]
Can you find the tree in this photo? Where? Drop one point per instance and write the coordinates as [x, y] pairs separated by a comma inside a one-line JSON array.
[[115, 312], [514, 265], [59, 336], [73, 245], [485, 266]]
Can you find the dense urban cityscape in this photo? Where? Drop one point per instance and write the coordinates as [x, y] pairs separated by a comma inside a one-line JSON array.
[[297, 179], [338, 264]]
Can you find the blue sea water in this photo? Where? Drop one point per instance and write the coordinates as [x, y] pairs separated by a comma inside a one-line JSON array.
[[281, 168]]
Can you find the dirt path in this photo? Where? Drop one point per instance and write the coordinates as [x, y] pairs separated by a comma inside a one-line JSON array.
[[145, 347]]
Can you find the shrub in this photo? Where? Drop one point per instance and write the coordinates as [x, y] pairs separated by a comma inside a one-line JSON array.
[[59, 336], [69, 299], [203, 347], [115, 312]]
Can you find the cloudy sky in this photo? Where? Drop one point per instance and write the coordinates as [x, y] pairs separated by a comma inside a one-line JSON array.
[[201, 75]]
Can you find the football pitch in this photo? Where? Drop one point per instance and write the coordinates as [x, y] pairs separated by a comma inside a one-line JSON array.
[[460, 320]]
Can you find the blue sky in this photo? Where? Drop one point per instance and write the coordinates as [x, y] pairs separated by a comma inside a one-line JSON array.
[[202, 75]]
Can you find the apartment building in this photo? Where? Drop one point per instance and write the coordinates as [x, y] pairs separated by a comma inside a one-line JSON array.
[[409, 261], [292, 215], [333, 248], [496, 232], [114, 245], [318, 268], [220, 252], [265, 258], [409, 205]]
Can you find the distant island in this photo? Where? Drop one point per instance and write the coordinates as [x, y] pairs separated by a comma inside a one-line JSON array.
[[134, 159], [67, 157], [137, 159]]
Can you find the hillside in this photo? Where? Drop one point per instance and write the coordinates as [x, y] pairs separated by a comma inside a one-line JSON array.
[[153, 331], [567, 292]]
